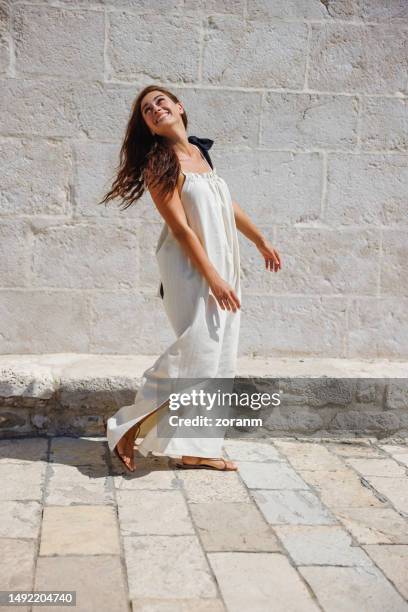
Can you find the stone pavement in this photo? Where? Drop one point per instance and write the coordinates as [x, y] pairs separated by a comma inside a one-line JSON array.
[[306, 524]]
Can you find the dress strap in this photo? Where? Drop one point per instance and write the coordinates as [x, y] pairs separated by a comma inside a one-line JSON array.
[[203, 144], [206, 143], [204, 158]]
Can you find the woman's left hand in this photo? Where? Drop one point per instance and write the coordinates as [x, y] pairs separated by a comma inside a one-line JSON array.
[[271, 256]]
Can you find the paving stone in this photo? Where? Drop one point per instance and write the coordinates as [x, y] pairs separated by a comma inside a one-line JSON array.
[[376, 467], [341, 488], [251, 534], [23, 450], [77, 451], [398, 452], [79, 530], [393, 562], [399, 449], [20, 519], [212, 485], [401, 459], [241, 450], [276, 475], [17, 565], [321, 545], [20, 481], [352, 441], [395, 488], [341, 589], [229, 526], [151, 473], [292, 507], [85, 484], [13, 607], [171, 567], [98, 581], [374, 525], [153, 512], [178, 605], [253, 581], [311, 456], [353, 450]]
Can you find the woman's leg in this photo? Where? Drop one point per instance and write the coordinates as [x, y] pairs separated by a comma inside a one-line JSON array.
[[125, 446]]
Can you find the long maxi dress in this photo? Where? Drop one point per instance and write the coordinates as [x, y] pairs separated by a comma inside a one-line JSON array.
[[207, 336]]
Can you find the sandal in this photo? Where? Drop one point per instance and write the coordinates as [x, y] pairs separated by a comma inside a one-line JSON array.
[[115, 450], [205, 466]]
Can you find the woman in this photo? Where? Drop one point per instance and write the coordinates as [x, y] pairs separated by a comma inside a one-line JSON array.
[[198, 258]]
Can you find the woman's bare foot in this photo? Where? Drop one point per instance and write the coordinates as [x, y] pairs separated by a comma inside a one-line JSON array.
[[221, 464]]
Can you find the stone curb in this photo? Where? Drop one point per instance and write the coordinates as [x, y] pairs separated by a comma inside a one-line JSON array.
[[60, 394]]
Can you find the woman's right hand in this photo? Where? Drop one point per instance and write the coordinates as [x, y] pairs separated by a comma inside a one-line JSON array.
[[224, 294]]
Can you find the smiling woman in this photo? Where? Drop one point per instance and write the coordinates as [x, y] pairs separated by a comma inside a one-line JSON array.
[[199, 262]]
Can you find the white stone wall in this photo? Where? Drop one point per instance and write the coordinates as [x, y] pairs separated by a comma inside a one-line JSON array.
[[307, 103]]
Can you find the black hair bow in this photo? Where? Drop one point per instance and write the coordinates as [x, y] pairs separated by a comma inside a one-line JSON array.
[[205, 143]]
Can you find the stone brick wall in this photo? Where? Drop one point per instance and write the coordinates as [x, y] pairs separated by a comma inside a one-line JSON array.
[[307, 103]]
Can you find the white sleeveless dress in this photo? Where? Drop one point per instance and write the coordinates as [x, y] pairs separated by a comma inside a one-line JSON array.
[[207, 336]]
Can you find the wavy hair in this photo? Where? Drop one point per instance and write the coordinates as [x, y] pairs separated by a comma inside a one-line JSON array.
[[144, 159]]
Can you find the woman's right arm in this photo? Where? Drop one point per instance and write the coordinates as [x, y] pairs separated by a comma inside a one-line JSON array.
[[172, 211]]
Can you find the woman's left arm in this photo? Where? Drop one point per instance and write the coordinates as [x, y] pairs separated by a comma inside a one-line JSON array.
[[246, 227]]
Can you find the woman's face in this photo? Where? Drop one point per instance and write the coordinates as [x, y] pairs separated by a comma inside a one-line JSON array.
[[160, 112]]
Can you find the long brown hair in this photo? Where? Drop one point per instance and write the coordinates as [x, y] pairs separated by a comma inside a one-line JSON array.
[[144, 158]]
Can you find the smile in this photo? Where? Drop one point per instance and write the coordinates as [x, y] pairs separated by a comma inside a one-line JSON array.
[[161, 117]]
